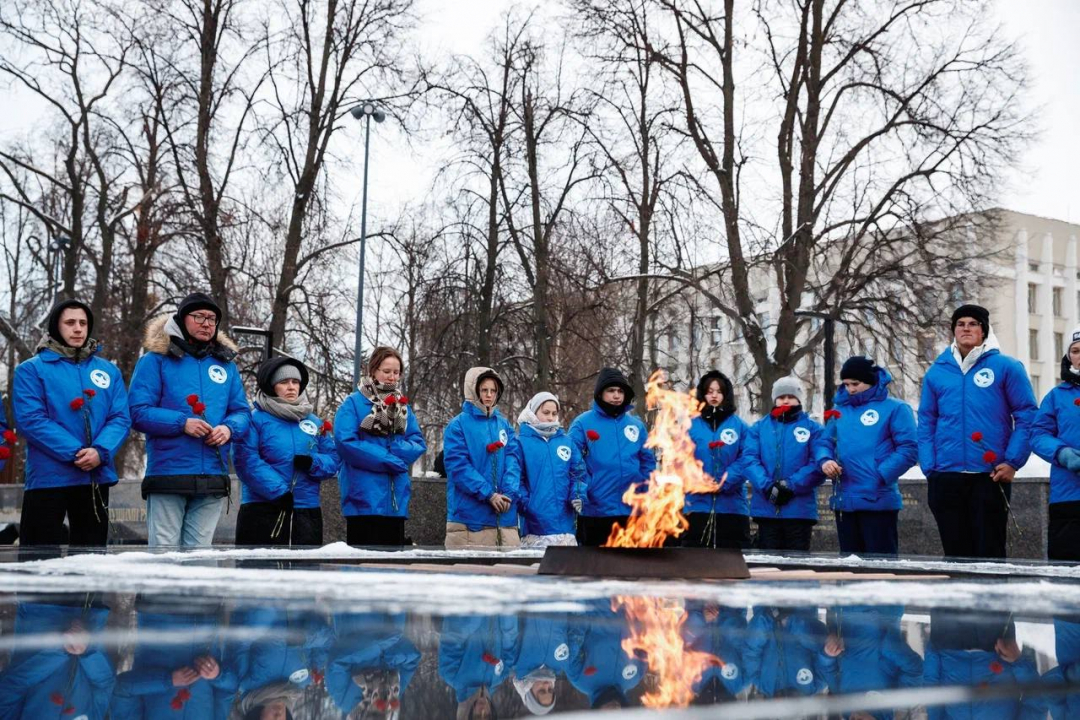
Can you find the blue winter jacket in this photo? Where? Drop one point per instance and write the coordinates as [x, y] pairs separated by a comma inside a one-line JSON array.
[[368, 641], [42, 393], [615, 461], [1057, 426], [374, 477], [477, 651], [993, 398], [785, 652], [978, 668], [264, 459], [717, 460], [725, 637], [876, 442], [552, 475], [292, 646], [1067, 647], [163, 379], [146, 691], [473, 474], [791, 451], [550, 641], [876, 657], [35, 677], [602, 663]]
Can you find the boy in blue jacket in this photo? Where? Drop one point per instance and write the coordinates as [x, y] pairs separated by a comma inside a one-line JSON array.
[[872, 441], [189, 401], [552, 475], [72, 409], [371, 664], [975, 416], [612, 441], [483, 477], [1055, 437], [783, 452], [720, 519]]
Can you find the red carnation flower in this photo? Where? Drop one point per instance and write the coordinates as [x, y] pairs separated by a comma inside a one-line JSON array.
[[495, 446], [184, 694], [716, 444], [89, 392], [832, 414], [317, 677], [592, 435], [327, 427], [403, 400], [69, 710], [389, 400], [1076, 401], [199, 408], [192, 399], [10, 437], [380, 705], [177, 704], [996, 668], [490, 659], [777, 411], [989, 456], [56, 699], [5, 452], [77, 403], [395, 704], [590, 671], [976, 436]]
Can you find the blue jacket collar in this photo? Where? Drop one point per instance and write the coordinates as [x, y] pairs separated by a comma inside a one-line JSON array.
[[600, 411], [472, 411], [528, 431], [873, 394]]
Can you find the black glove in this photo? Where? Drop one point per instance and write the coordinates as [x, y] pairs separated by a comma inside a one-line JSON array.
[[781, 494], [302, 462], [285, 502]]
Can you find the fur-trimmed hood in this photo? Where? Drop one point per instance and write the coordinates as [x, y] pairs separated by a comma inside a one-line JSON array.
[[156, 339]]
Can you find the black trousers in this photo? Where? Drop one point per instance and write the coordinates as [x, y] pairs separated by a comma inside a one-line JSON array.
[[1063, 535], [43, 511], [970, 512], [595, 531], [869, 532], [256, 522], [784, 533], [374, 530], [728, 531]]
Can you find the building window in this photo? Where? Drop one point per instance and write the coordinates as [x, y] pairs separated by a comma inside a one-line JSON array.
[[716, 330], [1035, 386], [1059, 344], [1033, 267], [1033, 344], [1057, 295], [1033, 299]]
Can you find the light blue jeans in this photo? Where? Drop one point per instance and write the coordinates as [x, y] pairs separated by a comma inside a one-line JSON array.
[[184, 520]]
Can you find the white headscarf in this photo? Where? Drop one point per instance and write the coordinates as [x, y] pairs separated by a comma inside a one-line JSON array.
[[524, 690], [528, 415]]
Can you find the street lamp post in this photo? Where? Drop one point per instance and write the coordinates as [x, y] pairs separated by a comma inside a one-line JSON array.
[[365, 111], [830, 352]]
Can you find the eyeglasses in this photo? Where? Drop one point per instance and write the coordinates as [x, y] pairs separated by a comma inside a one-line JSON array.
[[204, 319]]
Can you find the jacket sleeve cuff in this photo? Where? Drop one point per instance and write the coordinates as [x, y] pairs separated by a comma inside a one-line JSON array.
[[104, 454]]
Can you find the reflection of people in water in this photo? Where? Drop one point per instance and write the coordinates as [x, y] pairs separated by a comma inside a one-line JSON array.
[[476, 655], [600, 668], [1067, 651], [73, 679], [865, 652], [978, 649], [546, 651], [276, 668], [189, 670], [719, 631], [784, 651], [371, 664]]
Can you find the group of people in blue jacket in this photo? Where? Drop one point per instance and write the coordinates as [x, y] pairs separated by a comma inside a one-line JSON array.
[[538, 484]]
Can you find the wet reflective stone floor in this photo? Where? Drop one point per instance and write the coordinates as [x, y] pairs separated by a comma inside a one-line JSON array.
[[338, 632]]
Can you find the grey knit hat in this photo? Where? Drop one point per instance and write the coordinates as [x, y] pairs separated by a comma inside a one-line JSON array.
[[287, 371], [789, 385]]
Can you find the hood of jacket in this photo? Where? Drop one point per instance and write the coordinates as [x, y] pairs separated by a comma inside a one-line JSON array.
[[156, 340], [880, 391], [473, 378]]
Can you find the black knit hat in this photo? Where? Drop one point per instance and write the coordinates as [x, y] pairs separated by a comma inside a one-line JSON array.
[[58, 310], [975, 312], [859, 368], [193, 302], [268, 368], [610, 377]]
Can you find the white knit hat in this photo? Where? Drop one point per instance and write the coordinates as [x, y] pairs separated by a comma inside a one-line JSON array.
[[789, 385], [1074, 337]]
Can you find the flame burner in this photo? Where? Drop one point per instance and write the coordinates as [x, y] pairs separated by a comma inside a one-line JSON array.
[[653, 563]]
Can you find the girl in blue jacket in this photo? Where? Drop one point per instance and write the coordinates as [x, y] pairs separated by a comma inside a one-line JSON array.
[[476, 656], [1055, 437], [379, 439], [720, 519], [784, 652], [872, 441], [612, 441], [71, 407], [282, 459], [371, 664], [552, 475], [483, 476], [783, 452]]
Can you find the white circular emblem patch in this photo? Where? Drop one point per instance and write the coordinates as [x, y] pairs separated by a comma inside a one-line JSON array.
[[631, 433], [730, 671], [868, 418], [100, 378], [502, 436], [309, 427], [562, 652], [802, 435], [83, 717], [629, 672], [299, 676], [984, 378], [729, 436], [564, 453], [804, 676], [217, 374], [499, 668]]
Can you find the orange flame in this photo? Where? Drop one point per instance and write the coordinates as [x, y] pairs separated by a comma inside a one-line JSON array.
[[656, 637], [657, 514]]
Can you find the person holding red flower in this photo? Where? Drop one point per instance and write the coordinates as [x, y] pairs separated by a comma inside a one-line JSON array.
[[483, 476], [970, 391], [872, 441], [378, 439], [71, 407], [189, 401], [287, 452]]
